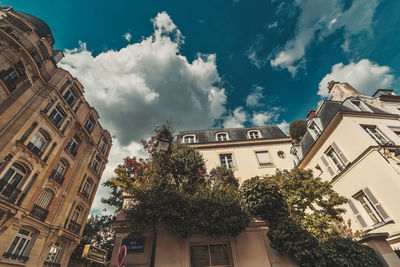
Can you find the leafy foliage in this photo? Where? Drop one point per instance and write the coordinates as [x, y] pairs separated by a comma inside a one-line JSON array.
[[297, 129], [222, 176]]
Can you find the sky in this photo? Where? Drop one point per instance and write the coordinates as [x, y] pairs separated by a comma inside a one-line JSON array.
[[217, 63]]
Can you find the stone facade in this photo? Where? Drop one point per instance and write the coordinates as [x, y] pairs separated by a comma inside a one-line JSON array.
[[53, 150], [257, 151]]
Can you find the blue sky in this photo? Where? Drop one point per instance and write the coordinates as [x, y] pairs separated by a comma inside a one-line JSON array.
[[217, 63]]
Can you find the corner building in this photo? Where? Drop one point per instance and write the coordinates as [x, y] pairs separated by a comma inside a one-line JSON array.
[[249, 152], [52, 148]]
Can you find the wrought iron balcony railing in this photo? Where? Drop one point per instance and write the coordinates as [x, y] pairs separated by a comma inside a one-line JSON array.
[[74, 227], [15, 257], [57, 177], [39, 213]]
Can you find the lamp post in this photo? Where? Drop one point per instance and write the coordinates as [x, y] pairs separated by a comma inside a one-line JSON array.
[[162, 148]]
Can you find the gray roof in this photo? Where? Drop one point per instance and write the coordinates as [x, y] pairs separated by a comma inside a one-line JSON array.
[[235, 134], [41, 28]]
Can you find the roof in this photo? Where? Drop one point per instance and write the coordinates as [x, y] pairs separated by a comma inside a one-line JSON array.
[[41, 28], [235, 134]]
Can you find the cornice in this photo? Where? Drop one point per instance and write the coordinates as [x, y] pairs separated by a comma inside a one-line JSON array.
[[248, 142]]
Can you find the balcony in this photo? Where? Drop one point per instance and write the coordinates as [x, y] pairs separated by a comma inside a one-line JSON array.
[[15, 257], [57, 177], [74, 227], [51, 264], [39, 213], [9, 192], [35, 150]]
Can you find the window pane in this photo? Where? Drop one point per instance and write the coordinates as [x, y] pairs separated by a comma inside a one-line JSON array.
[[8, 175], [263, 157], [199, 256], [219, 255]]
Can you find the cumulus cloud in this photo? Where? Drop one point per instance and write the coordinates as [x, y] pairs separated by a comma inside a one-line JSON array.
[[262, 118], [148, 83], [128, 36], [236, 119], [318, 19], [255, 97], [365, 76]]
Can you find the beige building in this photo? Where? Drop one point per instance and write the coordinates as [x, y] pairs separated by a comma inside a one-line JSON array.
[[250, 152], [52, 148], [353, 141]]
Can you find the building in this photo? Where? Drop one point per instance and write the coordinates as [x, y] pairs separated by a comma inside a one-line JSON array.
[[257, 151], [52, 148], [353, 141]]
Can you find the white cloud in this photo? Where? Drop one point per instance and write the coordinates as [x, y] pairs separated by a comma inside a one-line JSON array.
[[128, 36], [262, 118], [273, 25], [320, 18], [254, 51], [145, 84], [148, 83], [254, 98], [364, 75], [236, 119], [284, 126]]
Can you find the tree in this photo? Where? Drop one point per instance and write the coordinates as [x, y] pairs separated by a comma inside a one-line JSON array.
[[97, 230], [311, 202], [297, 129]]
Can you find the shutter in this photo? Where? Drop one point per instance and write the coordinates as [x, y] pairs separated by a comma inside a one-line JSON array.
[[340, 153], [331, 172], [376, 204], [357, 213]]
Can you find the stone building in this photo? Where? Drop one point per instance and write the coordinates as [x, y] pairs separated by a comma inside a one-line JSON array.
[[257, 151], [353, 141], [52, 148]]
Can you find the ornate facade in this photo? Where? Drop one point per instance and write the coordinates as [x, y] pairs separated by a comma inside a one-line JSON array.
[[52, 148]]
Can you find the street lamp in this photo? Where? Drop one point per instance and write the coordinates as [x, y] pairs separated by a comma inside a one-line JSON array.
[[163, 145]]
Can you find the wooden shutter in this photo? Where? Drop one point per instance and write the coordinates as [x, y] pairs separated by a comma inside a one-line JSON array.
[[376, 204], [357, 213], [340, 153], [325, 161]]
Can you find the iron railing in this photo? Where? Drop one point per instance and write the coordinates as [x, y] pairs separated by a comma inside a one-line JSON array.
[[74, 227], [39, 213], [57, 177], [15, 257], [35, 150]]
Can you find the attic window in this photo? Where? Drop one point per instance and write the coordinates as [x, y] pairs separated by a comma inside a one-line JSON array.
[[360, 106], [222, 136], [254, 134], [189, 139]]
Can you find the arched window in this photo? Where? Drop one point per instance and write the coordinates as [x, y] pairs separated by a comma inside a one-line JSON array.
[[38, 143], [222, 136], [188, 139], [11, 179]]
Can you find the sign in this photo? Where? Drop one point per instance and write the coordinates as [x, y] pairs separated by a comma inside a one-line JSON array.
[[121, 256], [93, 253], [134, 243]]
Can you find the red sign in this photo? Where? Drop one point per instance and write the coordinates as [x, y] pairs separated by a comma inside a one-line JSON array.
[[121, 256]]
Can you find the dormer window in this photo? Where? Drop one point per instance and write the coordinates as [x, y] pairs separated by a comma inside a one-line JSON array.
[[316, 131], [222, 136], [359, 105], [254, 134], [189, 139]]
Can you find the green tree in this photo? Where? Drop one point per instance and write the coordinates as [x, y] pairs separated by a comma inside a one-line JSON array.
[[297, 129]]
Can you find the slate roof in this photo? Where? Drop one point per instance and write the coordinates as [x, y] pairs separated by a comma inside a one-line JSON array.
[[235, 134]]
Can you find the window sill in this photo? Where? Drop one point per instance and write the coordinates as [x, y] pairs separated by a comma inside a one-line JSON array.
[[266, 165], [11, 262], [378, 225]]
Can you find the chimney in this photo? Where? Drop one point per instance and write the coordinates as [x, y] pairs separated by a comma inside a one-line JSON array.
[[341, 90], [311, 113]]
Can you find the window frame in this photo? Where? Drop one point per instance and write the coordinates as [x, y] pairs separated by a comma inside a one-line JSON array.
[[71, 93], [42, 137], [55, 256], [267, 164], [335, 161], [229, 253], [225, 154], [217, 135], [257, 132], [69, 146], [188, 136], [58, 111], [91, 120], [367, 128], [368, 208], [15, 248], [96, 167]]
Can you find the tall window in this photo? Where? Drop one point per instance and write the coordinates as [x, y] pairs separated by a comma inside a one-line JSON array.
[[58, 172], [87, 188], [38, 144], [315, 129], [96, 163], [69, 96], [89, 124], [57, 116], [103, 144], [210, 255], [73, 225], [20, 246], [334, 158], [73, 145], [54, 255], [375, 133], [11, 179], [227, 161], [39, 210], [188, 139], [76, 214], [263, 158], [369, 208], [222, 136], [11, 76], [254, 134]]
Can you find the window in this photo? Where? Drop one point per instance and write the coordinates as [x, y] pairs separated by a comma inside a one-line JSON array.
[[314, 129], [263, 158], [38, 144], [222, 136], [69, 96], [254, 134], [334, 159], [73, 145], [210, 255], [54, 255], [57, 116], [87, 188], [96, 163], [39, 210], [89, 124], [73, 225], [188, 139], [281, 154], [76, 214], [367, 210], [360, 106], [374, 132], [227, 161], [11, 179], [20, 246], [11, 76], [58, 172], [103, 144]]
